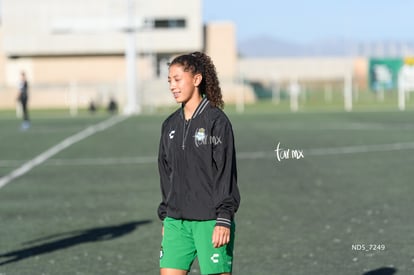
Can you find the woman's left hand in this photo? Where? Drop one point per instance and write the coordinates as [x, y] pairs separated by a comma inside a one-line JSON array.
[[221, 236]]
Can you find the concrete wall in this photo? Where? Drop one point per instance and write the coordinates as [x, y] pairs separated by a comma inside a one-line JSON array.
[[61, 81], [312, 70], [295, 68], [220, 45]]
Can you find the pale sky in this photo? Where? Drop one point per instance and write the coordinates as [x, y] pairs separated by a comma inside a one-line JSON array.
[[310, 20]]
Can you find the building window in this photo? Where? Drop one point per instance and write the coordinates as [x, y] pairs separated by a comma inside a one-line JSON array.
[[169, 23]]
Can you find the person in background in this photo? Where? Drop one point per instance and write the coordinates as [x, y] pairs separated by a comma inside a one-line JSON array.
[[23, 99], [92, 107], [112, 106]]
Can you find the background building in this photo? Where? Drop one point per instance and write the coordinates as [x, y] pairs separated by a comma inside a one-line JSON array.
[[73, 51]]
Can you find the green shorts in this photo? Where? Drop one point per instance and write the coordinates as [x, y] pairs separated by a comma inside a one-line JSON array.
[[184, 240]]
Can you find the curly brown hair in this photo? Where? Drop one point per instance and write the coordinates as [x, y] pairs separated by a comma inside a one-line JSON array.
[[200, 63]]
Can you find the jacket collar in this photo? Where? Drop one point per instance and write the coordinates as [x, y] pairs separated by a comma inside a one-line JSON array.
[[200, 108]]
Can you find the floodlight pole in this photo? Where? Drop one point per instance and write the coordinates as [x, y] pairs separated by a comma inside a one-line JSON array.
[[133, 105]]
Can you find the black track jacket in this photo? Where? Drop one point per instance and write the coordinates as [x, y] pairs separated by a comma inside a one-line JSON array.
[[197, 166]]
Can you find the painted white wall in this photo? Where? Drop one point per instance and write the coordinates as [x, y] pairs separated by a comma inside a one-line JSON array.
[[323, 68]]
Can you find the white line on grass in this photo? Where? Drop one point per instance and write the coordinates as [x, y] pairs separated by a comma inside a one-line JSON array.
[[361, 149], [357, 149], [26, 167], [102, 161]]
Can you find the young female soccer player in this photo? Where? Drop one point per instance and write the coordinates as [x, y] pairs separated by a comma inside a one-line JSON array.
[[197, 166]]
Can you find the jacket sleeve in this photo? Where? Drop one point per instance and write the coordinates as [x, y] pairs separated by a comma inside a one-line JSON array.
[[226, 191], [164, 172]]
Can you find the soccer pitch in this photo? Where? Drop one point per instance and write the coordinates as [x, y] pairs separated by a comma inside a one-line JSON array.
[[336, 198]]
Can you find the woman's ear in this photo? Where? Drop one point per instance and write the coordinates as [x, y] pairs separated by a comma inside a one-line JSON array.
[[197, 79]]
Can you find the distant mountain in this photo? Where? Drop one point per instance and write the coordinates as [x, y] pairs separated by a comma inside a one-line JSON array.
[[264, 46]]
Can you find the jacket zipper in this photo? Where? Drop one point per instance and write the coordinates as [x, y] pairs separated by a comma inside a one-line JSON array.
[[186, 128], [196, 112]]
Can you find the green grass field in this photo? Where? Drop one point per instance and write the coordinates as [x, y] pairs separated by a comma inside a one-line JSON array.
[[91, 209]]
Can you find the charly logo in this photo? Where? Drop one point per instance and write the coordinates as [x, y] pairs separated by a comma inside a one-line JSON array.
[[215, 258], [171, 134], [202, 138]]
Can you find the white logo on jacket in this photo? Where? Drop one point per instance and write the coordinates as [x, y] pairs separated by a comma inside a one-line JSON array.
[[200, 134], [202, 138], [171, 134]]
